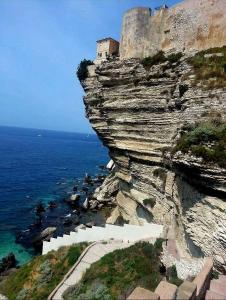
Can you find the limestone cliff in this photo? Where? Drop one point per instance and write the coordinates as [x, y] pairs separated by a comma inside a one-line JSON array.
[[138, 113]]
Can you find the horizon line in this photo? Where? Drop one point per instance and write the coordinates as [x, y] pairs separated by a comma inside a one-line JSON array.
[[46, 129]]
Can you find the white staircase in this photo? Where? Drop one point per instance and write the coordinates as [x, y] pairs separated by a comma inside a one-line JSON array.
[[126, 233]]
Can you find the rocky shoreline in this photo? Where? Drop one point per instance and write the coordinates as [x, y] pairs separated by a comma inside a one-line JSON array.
[[87, 203]]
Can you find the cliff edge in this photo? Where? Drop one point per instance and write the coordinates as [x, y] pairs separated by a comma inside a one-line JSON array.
[[140, 111]]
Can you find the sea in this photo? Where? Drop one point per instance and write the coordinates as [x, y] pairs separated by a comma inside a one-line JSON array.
[[39, 166]]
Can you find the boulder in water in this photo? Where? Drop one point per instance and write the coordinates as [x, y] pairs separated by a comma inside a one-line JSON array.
[[46, 234], [39, 208], [75, 188], [52, 204], [88, 179], [75, 197]]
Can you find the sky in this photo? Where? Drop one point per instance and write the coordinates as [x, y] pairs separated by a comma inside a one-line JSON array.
[[41, 45]]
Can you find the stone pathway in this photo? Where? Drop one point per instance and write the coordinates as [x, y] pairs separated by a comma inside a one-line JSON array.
[[126, 233], [91, 254], [106, 239]]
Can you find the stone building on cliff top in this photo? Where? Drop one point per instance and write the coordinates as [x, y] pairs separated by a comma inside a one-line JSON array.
[[188, 26]]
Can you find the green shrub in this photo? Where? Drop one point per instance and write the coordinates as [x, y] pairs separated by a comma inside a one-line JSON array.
[[158, 245], [149, 202], [22, 295], [206, 68], [41, 274], [173, 278], [174, 57], [215, 275], [116, 274], [156, 59], [206, 140], [82, 71]]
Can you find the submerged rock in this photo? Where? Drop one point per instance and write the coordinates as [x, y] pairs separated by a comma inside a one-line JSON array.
[[52, 204], [75, 189], [39, 209], [88, 179]]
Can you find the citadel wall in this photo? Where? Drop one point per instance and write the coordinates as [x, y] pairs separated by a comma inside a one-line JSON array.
[[190, 25]]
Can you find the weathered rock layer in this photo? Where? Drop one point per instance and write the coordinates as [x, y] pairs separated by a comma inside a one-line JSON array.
[[138, 114]]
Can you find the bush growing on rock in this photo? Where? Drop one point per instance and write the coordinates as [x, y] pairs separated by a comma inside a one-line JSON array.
[[160, 57], [174, 57], [209, 67], [172, 275], [206, 140], [82, 71], [149, 202], [150, 61]]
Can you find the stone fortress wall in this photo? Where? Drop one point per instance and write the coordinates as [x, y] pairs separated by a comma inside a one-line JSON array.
[[188, 26]]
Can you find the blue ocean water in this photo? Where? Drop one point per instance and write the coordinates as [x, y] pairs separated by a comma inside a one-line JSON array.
[[39, 165]]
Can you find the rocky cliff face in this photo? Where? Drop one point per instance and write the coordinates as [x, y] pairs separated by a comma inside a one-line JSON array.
[[138, 113]]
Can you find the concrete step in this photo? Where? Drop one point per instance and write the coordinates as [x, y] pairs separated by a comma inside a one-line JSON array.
[[210, 295], [218, 287], [126, 233]]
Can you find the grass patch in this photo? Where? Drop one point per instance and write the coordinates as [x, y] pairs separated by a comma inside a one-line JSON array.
[[206, 140], [172, 276], [40, 276], [119, 272], [159, 58], [174, 57], [156, 59], [210, 70], [82, 71], [215, 275]]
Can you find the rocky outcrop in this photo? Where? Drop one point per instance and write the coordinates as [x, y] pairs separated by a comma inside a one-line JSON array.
[[138, 113]]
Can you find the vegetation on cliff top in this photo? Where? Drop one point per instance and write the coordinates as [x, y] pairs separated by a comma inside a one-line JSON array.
[[40, 276], [160, 57], [207, 140], [210, 67], [119, 272], [82, 70]]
